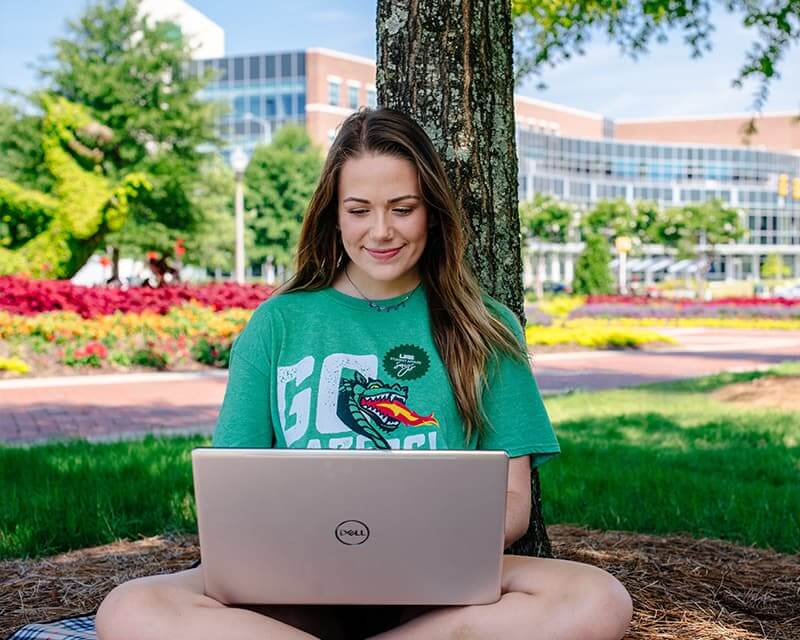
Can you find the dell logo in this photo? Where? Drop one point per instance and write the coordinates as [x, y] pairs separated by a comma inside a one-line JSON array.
[[352, 532]]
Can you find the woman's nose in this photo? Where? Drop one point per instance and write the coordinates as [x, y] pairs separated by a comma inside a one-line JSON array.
[[381, 227]]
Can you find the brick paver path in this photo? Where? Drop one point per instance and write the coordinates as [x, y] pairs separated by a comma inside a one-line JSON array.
[[117, 406]]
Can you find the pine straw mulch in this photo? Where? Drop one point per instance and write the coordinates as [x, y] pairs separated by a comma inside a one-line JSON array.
[[682, 588], [771, 392]]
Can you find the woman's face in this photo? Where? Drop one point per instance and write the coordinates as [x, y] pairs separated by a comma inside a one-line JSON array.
[[383, 222]]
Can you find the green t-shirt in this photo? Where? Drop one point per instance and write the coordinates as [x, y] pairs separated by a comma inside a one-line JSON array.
[[321, 369]]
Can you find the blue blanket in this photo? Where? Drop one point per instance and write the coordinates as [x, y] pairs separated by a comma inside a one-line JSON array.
[[67, 629]]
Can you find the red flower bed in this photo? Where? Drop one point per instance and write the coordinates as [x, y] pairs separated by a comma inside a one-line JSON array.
[[644, 300], [29, 297]]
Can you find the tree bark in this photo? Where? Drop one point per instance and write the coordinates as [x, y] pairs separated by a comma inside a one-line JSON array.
[[448, 64]]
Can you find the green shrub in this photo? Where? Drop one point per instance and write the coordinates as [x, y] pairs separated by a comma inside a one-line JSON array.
[[592, 275]]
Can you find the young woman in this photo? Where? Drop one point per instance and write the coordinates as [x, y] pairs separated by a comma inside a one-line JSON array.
[[383, 339]]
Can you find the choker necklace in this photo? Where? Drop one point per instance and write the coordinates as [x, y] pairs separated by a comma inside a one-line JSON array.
[[383, 307]]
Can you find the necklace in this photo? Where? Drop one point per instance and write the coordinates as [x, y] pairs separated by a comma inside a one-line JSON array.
[[383, 307]]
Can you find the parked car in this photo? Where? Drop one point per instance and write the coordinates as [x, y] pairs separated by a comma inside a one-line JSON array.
[[790, 293], [555, 287]]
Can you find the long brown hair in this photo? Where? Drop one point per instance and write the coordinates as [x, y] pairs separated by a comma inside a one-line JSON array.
[[466, 335]]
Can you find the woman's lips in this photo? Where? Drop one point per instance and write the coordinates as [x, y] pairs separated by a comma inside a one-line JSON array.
[[384, 255]]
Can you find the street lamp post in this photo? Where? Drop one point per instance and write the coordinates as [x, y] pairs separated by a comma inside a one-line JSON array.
[[266, 126], [239, 164], [623, 245]]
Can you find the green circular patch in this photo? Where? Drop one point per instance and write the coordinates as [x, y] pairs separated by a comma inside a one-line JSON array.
[[406, 362]]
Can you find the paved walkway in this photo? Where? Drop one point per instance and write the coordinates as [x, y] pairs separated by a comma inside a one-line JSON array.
[[110, 407]]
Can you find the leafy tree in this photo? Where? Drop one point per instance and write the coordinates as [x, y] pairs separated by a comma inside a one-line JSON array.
[[132, 75], [548, 220], [545, 218], [212, 244], [774, 267], [610, 217], [697, 230], [280, 179], [706, 224], [615, 218], [592, 275], [551, 32], [21, 152]]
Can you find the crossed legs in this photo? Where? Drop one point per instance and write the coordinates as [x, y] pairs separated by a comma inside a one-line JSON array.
[[542, 599]]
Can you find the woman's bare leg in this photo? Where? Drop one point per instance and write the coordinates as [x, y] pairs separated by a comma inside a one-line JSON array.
[[172, 606], [542, 599]]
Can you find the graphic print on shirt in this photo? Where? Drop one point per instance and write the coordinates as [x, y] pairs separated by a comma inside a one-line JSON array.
[[406, 362], [371, 407], [308, 406]]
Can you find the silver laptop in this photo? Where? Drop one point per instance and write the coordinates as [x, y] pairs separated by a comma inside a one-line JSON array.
[[310, 526]]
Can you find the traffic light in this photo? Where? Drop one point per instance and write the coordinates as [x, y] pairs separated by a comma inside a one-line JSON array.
[[783, 185], [796, 189]]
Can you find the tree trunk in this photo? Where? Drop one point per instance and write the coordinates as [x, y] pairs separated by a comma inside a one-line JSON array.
[[448, 64]]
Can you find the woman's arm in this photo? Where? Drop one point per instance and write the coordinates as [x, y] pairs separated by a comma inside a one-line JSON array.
[[518, 499]]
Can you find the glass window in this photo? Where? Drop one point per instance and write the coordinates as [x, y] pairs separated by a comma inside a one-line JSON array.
[[238, 69], [255, 106], [372, 99], [222, 67], [301, 104], [286, 65], [269, 67], [238, 106], [301, 64], [333, 93], [352, 97], [288, 109], [255, 68], [269, 107]]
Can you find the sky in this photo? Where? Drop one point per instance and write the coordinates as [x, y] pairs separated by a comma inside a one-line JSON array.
[[664, 83]]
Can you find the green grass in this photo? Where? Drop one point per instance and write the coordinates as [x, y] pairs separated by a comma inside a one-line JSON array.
[[65, 496], [664, 458], [668, 458]]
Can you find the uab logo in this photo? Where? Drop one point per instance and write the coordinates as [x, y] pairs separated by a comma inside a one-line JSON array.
[[352, 532], [406, 362]]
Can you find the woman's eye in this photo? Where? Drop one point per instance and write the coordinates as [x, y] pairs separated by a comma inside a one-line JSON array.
[[403, 211], [358, 211]]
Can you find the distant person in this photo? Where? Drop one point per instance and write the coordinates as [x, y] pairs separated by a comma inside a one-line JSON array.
[[383, 296], [163, 272]]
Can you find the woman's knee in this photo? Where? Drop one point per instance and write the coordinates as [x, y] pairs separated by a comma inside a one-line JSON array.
[[132, 610], [121, 609], [605, 604]]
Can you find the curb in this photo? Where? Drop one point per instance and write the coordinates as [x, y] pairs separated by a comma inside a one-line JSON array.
[[110, 379]]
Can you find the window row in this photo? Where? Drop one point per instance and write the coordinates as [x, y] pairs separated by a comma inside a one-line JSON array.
[[353, 99], [595, 149], [253, 68], [286, 105]]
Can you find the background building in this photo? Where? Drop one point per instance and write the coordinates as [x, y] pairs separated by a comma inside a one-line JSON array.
[[315, 88], [581, 158], [205, 36], [577, 156]]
